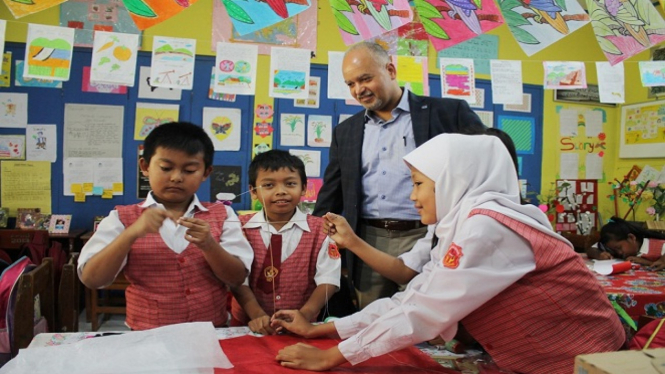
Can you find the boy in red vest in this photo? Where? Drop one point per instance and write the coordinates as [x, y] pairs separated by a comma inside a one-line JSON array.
[[178, 254], [296, 266]]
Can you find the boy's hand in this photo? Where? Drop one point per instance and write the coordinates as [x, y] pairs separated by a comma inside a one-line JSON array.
[[261, 325], [339, 230], [198, 232], [291, 320], [150, 221], [605, 256]]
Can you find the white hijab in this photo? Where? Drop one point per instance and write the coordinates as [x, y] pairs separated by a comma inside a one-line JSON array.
[[469, 172]]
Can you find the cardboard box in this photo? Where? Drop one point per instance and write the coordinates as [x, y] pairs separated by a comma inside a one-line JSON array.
[[651, 361]]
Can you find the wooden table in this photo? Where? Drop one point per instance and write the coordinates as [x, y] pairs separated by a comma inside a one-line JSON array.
[[15, 238]]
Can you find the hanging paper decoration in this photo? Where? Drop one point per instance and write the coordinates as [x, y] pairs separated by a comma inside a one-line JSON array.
[[250, 16], [453, 21], [408, 40], [88, 16], [564, 75], [536, 24], [147, 13], [20, 8], [48, 52], [369, 18], [625, 28], [295, 32]]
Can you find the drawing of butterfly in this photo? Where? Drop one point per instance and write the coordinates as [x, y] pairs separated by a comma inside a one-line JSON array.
[[221, 128]]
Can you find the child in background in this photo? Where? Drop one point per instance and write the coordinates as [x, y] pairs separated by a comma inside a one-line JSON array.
[[296, 266], [620, 239], [499, 270], [177, 253]]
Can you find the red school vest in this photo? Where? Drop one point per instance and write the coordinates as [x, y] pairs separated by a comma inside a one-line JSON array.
[[655, 249], [168, 288], [296, 274], [554, 313]]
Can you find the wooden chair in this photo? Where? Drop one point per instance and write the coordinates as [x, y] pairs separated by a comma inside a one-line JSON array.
[[106, 304], [68, 297], [39, 281]]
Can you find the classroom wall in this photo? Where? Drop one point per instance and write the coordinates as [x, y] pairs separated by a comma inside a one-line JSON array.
[[580, 46]]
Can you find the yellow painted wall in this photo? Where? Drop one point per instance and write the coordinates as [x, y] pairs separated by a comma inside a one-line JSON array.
[[580, 46]]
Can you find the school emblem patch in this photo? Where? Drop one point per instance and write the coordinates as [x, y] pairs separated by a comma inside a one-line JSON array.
[[333, 252], [452, 257]]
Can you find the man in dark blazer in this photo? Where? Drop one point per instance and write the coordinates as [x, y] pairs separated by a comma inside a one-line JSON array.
[[366, 179]]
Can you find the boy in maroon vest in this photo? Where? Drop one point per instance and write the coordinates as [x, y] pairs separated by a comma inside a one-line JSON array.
[[178, 253], [296, 266]]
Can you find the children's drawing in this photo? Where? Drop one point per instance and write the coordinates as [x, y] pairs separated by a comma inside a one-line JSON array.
[[292, 129], [88, 16], [235, 69], [114, 58], [101, 87], [625, 28], [313, 187], [289, 73], [173, 62], [20, 8], [458, 79], [32, 82], [652, 73], [312, 100], [218, 96], [149, 116], [566, 75], [147, 13], [149, 91], [296, 32], [289, 81], [360, 20], [5, 72], [319, 131], [48, 52], [536, 24], [451, 22], [12, 147], [412, 73], [223, 127], [41, 143], [311, 159], [407, 40], [13, 110], [250, 16]]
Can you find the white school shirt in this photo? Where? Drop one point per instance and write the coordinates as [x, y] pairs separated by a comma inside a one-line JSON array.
[[232, 239], [420, 254], [434, 302], [644, 249], [328, 270]]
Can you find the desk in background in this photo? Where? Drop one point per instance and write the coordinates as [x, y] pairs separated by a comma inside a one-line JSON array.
[[639, 292], [11, 239]]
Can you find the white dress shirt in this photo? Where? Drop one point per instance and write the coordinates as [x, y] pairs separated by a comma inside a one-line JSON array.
[[494, 257], [327, 269], [232, 239]]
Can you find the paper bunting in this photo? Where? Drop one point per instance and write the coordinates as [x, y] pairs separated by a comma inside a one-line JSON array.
[[536, 24], [455, 21], [369, 18], [147, 13], [625, 28]]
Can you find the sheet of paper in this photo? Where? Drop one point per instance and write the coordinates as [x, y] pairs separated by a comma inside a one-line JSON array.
[[594, 166], [235, 71], [337, 88], [611, 82], [150, 115], [114, 58], [150, 91], [311, 159], [93, 130], [458, 79], [3, 27], [12, 147], [313, 97], [506, 82], [41, 143], [77, 172], [25, 184], [13, 110], [172, 64], [569, 166], [593, 122], [564, 74], [107, 173], [292, 129], [48, 52], [412, 73], [568, 122], [289, 73], [223, 127], [319, 130]]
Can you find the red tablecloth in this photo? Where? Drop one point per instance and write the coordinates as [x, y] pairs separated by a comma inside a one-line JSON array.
[[639, 292], [251, 355]]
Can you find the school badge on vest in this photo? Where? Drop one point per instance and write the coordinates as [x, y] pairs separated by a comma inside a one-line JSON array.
[[270, 273], [452, 257], [333, 252]]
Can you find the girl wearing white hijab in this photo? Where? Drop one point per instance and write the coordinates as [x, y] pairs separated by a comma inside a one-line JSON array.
[[517, 287]]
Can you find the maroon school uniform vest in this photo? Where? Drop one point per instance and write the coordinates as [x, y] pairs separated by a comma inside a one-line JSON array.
[[655, 249], [554, 313], [294, 283], [168, 288]]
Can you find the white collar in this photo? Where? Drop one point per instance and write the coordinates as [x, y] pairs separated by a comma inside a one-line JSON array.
[[150, 201], [299, 219]]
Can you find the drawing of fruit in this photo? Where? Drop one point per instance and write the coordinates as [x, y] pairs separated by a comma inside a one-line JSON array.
[[122, 53]]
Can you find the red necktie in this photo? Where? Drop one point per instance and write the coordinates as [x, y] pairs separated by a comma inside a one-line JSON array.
[[271, 266]]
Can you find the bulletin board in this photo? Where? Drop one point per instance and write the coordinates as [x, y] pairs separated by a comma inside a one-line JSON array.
[[643, 130], [578, 205]]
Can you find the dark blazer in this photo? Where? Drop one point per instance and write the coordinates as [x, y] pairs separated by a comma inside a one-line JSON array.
[[342, 182]]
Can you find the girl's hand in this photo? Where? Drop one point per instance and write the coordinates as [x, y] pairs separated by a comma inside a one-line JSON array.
[[291, 320], [605, 256], [307, 357], [198, 232], [339, 230]]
